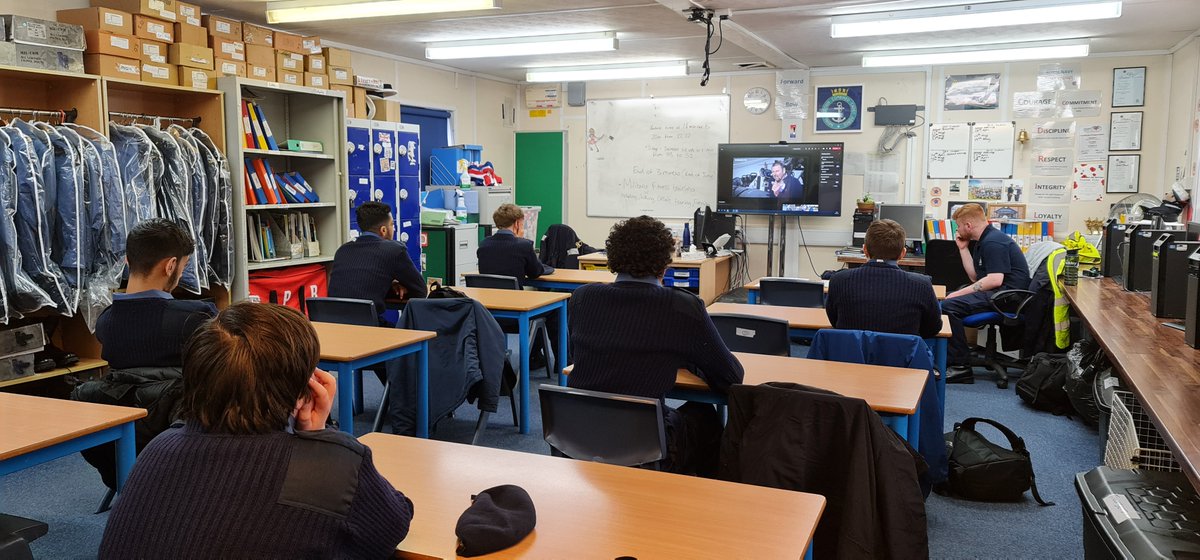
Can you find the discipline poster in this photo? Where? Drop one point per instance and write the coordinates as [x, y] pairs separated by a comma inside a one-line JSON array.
[[839, 109]]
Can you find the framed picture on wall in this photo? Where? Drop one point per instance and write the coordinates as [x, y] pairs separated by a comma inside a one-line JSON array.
[[1006, 211], [1129, 87], [1123, 170], [1125, 131], [839, 109]]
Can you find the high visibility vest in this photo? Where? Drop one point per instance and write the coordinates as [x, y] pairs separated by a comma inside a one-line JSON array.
[[1062, 309]]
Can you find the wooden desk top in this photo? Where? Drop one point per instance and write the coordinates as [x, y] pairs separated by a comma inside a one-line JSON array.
[[592, 510], [346, 343], [601, 258], [938, 291], [861, 259], [31, 423], [512, 300], [1153, 360], [572, 276], [886, 389], [797, 317]]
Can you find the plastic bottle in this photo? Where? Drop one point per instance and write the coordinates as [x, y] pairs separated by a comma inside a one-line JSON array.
[[1071, 268], [687, 237]]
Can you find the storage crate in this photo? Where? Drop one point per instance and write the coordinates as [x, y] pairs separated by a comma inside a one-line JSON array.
[[444, 163], [1133, 440]]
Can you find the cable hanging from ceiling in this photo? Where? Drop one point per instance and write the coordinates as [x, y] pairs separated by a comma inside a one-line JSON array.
[[705, 16]]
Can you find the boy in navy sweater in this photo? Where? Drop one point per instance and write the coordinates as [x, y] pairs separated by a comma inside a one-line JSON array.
[[880, 297], [633, 335], [145, 326], [507, 252], [375, 265]]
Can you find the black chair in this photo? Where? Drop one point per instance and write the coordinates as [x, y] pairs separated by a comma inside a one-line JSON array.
[[603, 427], [15, 535], [757, 335], [348, 311], [791, 292], [943, 264], [536, 326], [1007, 310]]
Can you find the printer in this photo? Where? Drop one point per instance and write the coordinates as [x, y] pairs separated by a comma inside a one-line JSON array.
[[1169, 271], [1137, 253]]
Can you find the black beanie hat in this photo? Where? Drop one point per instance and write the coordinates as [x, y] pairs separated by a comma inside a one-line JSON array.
[[498, 518]]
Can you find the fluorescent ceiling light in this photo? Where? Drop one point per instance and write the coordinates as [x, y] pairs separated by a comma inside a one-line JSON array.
[[523, 46], [984, 53], [322, 10], [974, 16], [608, 72]]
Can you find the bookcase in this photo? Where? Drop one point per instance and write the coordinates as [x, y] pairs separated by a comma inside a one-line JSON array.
[[295, 113]]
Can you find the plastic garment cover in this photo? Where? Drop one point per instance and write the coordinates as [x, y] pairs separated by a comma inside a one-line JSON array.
[[32, 233], [172, 199], [95, 294], [139, 166], [67, 235], [44, 160], [220, 248], [112, 193], [193, 165]]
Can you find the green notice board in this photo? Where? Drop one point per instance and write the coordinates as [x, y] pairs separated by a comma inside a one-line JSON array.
[[540, 179]]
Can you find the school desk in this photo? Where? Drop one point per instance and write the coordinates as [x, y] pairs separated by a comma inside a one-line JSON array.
[[752, 291]]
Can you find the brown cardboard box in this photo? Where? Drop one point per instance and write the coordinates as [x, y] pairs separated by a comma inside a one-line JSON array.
[[103, 19], [316, 80], [166, 74], [289, 42], [258, 72], [146, 27], [191, 34], [188, 13], [113, 66], [289, 61], [311, 44], [259, 55], [197, 78], [222, 27], [349, 93], [337, 57], [113, 44], [386, 110], [190, 56], [314, 63], [228, 49], [258, 35], [341, 76], [289, 78], [230, 67], [162, 9], [360, 103], [154, 52]]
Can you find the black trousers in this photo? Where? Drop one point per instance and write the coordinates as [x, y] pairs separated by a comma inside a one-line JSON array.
[[693, 439], [958, 353]]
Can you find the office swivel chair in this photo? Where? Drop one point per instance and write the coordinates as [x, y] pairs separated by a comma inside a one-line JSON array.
[[536, 326], [348, 311], [756, 335], [603, 427], [15, 535], [791, 292], [1008, 307]]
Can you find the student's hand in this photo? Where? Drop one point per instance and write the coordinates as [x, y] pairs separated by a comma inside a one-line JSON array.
[[961, 242], [398, 289], [313, 411]]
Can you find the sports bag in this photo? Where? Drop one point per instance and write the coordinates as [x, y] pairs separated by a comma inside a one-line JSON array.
[[291, 286], [1041, 386], [982, 470]]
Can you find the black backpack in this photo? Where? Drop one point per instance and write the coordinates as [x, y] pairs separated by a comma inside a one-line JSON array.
[[1080, 381], [982, 470], [1042, 384]]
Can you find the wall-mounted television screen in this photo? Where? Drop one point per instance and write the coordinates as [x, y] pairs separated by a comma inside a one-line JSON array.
[[804, 179]]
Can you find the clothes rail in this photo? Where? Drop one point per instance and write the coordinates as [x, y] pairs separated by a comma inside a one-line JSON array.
[[194, 121], [67, 116]]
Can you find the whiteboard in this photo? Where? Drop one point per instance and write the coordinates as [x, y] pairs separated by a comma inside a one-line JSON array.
[[654, 156], [992, 150], [949, 144]]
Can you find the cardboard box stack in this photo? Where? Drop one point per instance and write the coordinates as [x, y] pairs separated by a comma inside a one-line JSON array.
[[45, 45], [225, 39]]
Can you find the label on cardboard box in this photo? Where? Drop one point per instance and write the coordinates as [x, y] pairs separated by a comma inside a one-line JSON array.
[[224, 27], [292, 78], [154, 52], [259, 72], [314, 80], [114, 19], [118, 42], [198, 78], [128, 68], [160, 6], [160, 31], [190, 13], [159, 72]]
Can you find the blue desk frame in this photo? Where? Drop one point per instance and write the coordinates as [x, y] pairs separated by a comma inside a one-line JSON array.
[[350, 388], [552, 285], [523, 318], [121, 434]]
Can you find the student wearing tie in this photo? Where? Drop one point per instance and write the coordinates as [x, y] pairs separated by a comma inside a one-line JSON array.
[[633, 335], [879, 296]]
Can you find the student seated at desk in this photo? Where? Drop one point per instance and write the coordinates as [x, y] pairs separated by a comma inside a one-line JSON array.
[[632, 336], [879, 296], [507, 252], [145, 326], [375, 266], [254, 472], [996, 264]]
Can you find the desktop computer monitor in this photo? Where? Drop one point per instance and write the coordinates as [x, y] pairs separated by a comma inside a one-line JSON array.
[[911, 217], [1193, 231]]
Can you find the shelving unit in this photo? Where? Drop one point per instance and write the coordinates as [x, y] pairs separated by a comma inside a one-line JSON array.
[[293, 112]]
